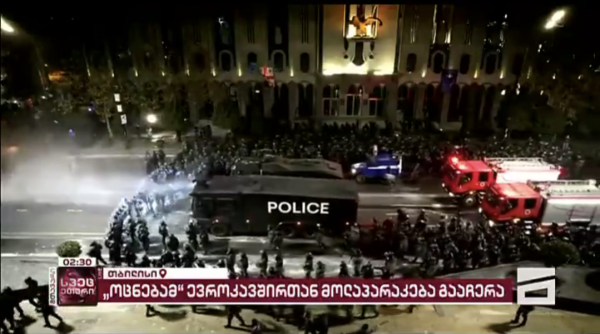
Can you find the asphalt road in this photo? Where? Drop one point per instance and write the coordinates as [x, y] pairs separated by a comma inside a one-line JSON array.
[[42, 219], [49, 203], [40, 241]]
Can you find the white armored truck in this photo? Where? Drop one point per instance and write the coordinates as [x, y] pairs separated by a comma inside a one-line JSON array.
[[249, 204]]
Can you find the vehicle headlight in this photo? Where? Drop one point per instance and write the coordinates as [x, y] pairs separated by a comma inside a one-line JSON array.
[[491, 223], [480, 210], [353, 170]]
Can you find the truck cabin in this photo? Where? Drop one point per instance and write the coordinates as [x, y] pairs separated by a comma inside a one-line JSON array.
[[461, 177], [511, 202], [508, 170]]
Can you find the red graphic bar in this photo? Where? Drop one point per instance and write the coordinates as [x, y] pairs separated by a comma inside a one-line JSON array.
[[306, 291]]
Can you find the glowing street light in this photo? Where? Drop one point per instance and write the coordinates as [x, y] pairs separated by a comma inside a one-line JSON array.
[[555, 20], [151, 118], [6, 27]]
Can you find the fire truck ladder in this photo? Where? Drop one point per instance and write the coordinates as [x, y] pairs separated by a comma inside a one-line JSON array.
[[524, 160], [566, 187], [517, 162]]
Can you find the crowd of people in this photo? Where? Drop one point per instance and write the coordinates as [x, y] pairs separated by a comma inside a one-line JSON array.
[[450, 246]]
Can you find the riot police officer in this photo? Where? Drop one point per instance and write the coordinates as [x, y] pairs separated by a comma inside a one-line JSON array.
[[173, 243], [231, 259], [279, 264], [244, 265], [95, 252], [320, 272], [130, 256], [163, 230], [144, 237], [308, 265], [189, 256], [191, 231], [343, 272], [357, 262], [263, 264]]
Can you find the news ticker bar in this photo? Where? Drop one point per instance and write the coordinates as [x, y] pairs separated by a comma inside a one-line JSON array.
[[77, 282]]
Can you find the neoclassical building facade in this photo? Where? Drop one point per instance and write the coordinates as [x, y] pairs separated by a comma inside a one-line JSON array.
[[341, 63]]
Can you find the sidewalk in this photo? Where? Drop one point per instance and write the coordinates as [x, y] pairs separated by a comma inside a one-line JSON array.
[[465, 319]]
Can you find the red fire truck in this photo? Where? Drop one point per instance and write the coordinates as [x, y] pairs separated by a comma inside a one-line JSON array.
[[542, 202], [466, 180]]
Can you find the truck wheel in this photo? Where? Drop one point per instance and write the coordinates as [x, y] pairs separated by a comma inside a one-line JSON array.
[[288, 231], [360, 178], [219, 230], [469, 201]]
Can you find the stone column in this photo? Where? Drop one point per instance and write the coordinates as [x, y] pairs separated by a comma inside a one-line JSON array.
[[268, 94], [495, 107], [293, 99], [445, 109], [318, 98], [419, 101], [242, 97], [391, 104], [479, 108]]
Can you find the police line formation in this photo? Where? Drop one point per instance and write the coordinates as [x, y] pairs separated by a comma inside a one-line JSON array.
[[454, 244]]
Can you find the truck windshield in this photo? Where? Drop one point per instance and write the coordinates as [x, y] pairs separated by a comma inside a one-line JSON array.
[[448, 170], [493, 199]]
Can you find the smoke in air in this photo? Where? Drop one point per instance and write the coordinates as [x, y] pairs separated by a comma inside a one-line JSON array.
[[55, 180]]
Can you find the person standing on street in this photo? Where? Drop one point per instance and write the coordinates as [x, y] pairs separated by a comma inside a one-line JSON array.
[[234, 312], [523, 314]]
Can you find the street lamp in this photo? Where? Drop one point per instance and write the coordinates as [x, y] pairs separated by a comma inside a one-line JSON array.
[[6, 27], [555, 20], [151, 118]]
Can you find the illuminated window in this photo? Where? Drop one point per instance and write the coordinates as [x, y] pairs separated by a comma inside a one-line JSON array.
[[354, 100], [331, 100], [305, 103], [377, 101]]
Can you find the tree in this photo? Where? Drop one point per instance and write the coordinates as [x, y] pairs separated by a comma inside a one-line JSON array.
[[69, 249], [200, 96], [175, 109], [101, 94], [226, 113], [558, 253]]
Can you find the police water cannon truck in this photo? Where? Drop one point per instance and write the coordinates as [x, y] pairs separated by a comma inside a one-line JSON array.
[[378, 167], [250, 204], [539, 203], [467, 180], [278, 166]]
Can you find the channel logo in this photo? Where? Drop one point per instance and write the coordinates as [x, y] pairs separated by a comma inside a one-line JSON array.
[[536, 286]]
